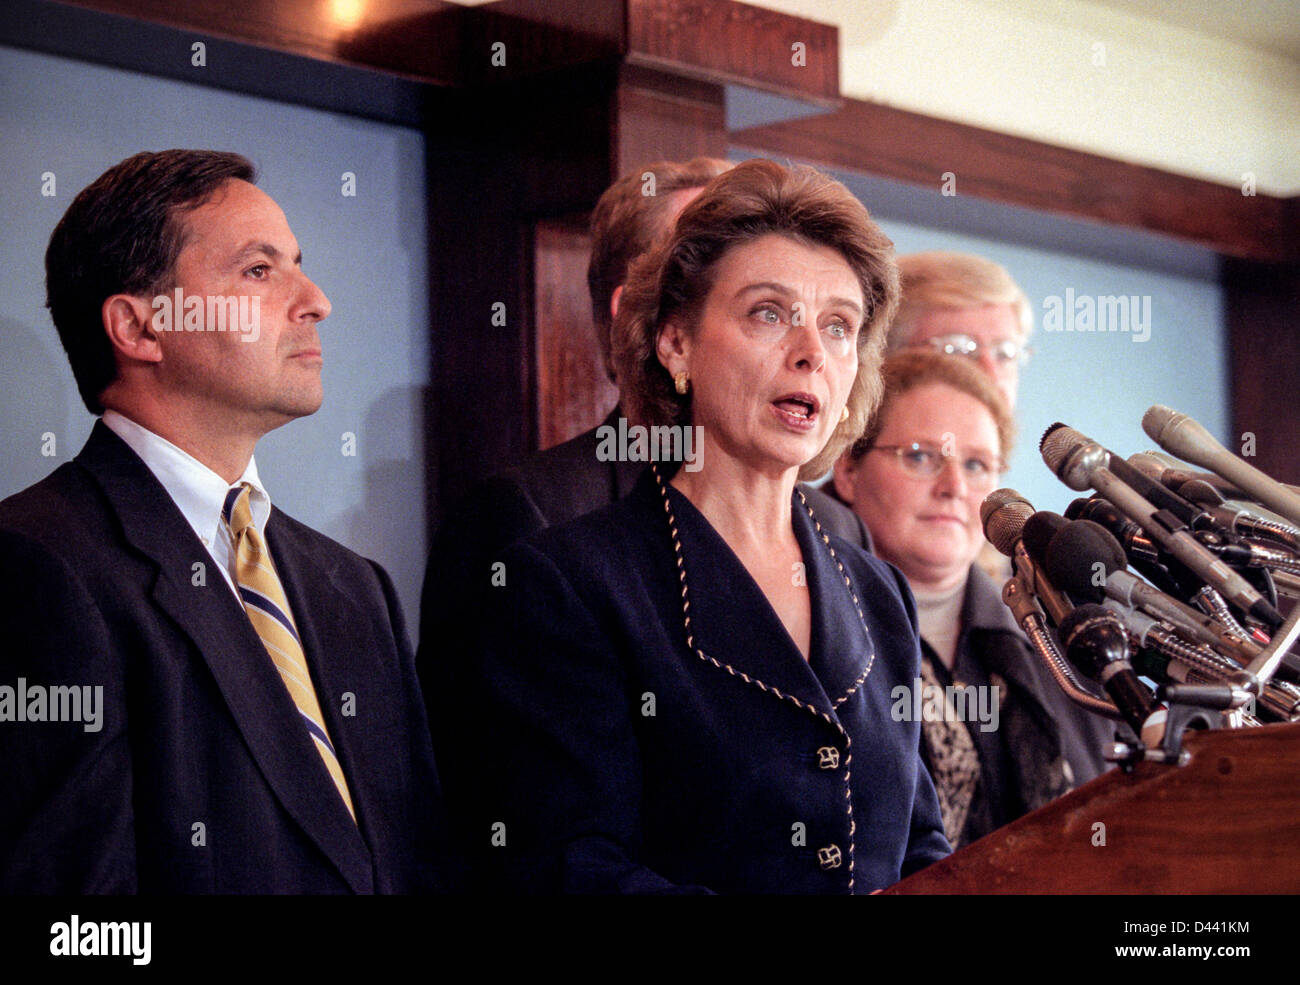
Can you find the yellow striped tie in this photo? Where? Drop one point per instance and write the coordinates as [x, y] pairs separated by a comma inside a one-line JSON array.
[[266, 605]]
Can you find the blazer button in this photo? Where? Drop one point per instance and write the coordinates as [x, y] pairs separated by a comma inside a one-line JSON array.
[[828, 758], [829, 857]]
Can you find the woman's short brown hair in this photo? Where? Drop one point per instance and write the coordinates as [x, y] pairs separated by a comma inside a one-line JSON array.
[[752, 200], [911, 368]]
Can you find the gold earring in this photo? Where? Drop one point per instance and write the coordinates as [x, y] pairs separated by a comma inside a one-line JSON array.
[[844, 414], [682, 381]]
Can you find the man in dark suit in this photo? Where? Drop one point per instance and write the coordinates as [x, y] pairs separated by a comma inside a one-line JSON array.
[[249, 719]]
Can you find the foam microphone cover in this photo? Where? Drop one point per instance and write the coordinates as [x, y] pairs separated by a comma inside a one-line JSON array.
[[1038, 533], [1072, 556]]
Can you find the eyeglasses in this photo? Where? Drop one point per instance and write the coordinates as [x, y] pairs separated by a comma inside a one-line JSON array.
[[922, 460], [1004, 351]]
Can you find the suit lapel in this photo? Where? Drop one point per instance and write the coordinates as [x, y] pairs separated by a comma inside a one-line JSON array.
[[731, 619], [219, 629], [842, 648], [331, 621]]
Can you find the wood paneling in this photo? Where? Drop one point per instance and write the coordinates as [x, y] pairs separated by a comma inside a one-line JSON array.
[[499, 165], [721, 41], [1224, 823], [894, 143], [445, 43], [666, 118], [1262, 304], [574, 391], [318, 28]]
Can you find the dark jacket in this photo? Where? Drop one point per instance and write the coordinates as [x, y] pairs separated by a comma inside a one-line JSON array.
[[547, 489], [202, 778], [1045, 745], [609, 748]]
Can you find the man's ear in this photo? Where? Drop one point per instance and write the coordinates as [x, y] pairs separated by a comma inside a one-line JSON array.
[[128, 323], [674, 348], [613, 302], [844, 477]]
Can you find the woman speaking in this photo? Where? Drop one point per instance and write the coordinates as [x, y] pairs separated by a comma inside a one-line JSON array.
[[690, 691]]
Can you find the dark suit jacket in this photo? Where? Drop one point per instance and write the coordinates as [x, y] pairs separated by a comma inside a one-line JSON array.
[[610, 757], [1045, 744], [202, 778], [547, 489]]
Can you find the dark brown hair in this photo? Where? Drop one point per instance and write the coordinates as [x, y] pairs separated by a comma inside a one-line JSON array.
[[752, 200], [631, 214], [122, 235]]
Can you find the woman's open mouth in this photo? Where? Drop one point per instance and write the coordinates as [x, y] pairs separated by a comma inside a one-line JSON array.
[[797, 411]]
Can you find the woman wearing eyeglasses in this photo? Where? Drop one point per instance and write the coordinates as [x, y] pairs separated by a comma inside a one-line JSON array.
[[917, 477], [964, 305]]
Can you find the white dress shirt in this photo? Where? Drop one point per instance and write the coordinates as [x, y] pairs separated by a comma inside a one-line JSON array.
[[198, 492]]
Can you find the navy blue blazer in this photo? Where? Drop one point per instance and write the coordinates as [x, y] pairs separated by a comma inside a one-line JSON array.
[[614, 750], [202, 778], [545, 490]]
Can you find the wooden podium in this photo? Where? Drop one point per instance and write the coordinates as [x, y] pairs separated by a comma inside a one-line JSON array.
[[1227, 822]]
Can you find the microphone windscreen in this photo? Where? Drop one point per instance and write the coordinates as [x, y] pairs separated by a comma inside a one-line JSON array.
[[1073, 555], [1038, 533], [1076, 507]]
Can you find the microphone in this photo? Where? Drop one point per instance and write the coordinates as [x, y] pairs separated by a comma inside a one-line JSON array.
[[1095, 641], [1020, 600], [1006, 515], [1038, 532], [1246, 522], [1072, 563], [1164, 656], [1175, 477], [1154, 492], [1179, 435], [1003, 514], [1082, 464], [1081, 557], [1170, 575], [1164, 572]]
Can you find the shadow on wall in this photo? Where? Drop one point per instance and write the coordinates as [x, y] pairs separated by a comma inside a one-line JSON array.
[[39, 430], [390, 526]]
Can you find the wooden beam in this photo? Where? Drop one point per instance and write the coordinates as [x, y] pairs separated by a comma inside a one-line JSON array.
[[339, 33], [722, 41], [444, 43], [894, 143]]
